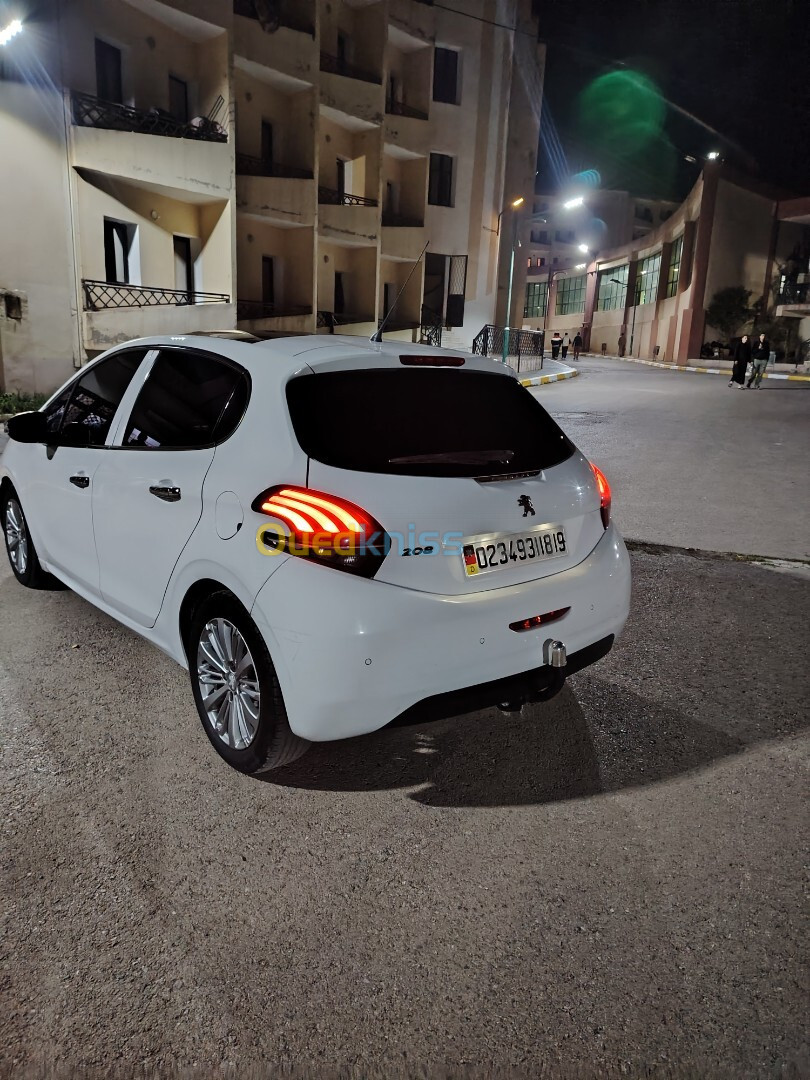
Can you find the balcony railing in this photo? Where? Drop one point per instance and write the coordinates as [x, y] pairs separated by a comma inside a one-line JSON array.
[[399, 108], [253, 166], [99, 295], [399, 221], [89, 111], [793, 292], [262, 309], [336, 65], [525, 345], [430, 328], [283, 17], [343, 318], [340, 198]]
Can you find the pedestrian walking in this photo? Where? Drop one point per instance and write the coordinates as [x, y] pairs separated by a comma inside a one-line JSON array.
[[577, 345], [742, 358], [566, 341], [760, 355], [556, 342], [622, 343]]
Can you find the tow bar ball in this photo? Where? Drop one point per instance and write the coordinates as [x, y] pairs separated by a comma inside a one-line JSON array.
[[554, 659]]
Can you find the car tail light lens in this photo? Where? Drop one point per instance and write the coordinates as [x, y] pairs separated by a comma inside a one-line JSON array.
[[323, 528], [532, 623], [604, 494]]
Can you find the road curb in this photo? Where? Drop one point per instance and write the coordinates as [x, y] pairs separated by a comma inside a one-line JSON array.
[[539, 380], [699, 370]]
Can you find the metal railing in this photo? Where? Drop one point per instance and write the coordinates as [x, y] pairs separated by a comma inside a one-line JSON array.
[[284, 15], [794, 293], [525, 346], [430, 328], [89, 111], [336, 65], [253, 166], [399, 221], [99, 295], [343, 318], [262, 309], [399, 108], [341, 198]]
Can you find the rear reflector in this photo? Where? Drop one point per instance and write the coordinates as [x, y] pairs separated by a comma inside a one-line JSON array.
[[431, 361], [538, 620]]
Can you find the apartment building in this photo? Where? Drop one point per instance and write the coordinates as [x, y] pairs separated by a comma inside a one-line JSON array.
[[273, 165]]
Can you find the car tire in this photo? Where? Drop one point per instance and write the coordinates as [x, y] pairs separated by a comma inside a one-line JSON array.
[[236, 688], [22, 555]]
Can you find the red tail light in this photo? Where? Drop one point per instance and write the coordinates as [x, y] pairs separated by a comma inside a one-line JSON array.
[[604, 494], [534, 621], [440, 360], [322, 527]]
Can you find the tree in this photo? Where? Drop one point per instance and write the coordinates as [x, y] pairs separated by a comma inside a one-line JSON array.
[[729, 310]]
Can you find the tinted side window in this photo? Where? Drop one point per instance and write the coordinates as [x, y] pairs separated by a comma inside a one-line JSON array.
[[95, 397], [190, 399]]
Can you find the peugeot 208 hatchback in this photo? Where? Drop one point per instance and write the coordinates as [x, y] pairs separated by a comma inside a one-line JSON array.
[[328, 533]]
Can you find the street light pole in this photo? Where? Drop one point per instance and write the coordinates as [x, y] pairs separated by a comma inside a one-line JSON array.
[[509, 290]]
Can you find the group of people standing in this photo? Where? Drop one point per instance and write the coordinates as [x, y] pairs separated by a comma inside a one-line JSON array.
[[560, 343], [757, 355]]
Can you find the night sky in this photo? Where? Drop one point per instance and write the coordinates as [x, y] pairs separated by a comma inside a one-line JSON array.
[[740, 66]]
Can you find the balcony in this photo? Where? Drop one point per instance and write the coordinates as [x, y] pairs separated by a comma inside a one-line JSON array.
[[106, 294], [286, 15], [340, 198], [399, 221], [336, 65], [331, 319], [399, 108], [89, 111], [250, 310], [252, 166]]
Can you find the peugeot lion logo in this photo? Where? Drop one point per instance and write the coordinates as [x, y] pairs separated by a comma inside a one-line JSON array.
[[526, 503]]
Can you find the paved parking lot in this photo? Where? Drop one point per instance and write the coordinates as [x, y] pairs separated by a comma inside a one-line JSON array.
[[609, 883]]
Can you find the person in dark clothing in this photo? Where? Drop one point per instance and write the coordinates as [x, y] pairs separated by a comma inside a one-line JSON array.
[[556, 342], [760, 354], [577, 345], [742, 358]]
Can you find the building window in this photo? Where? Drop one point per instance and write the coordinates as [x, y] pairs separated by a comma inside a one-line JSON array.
[[178, 99], [536, 300], [445, 75], [119, 242], [539, 236], [565, 236], [267, 141], [647, 279], [612, 295], [674, 269], [268, 280], [13, 305], [571, 295], [440, 186]]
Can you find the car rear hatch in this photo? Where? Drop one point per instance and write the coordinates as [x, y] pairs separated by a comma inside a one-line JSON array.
[[474, 483]]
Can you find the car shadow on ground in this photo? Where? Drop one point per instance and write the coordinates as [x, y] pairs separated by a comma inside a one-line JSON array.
[[549, 753]]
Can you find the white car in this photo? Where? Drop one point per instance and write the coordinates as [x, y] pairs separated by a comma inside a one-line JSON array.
[[329, 534]]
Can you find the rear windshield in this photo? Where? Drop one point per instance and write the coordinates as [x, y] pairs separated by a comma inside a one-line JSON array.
[[424, 423]]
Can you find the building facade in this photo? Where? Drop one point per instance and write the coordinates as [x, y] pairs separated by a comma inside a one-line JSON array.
[[274, 165], [648, 297]]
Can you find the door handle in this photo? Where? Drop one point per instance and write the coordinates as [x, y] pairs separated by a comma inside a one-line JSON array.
[[80, 481], [165, 492]]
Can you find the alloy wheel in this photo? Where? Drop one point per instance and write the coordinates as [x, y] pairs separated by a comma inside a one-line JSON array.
[[16, 536], [229, 684]]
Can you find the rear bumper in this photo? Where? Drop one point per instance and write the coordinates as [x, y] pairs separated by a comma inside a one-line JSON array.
[[352, 654]]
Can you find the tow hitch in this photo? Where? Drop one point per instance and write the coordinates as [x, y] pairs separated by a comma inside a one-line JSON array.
[[554, 661]]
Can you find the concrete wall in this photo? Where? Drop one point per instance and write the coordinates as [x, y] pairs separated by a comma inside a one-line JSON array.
[[293, 255], [292, 114]]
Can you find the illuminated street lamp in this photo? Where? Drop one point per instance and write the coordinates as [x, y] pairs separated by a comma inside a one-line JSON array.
[[584, 249], [713, 155], [514, 204], [616, 281], [13, 28], [572, 203]]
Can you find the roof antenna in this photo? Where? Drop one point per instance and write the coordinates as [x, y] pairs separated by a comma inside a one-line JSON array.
[[378, 335]]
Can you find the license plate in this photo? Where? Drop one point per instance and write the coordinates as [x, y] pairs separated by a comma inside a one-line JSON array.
[[483, 554]]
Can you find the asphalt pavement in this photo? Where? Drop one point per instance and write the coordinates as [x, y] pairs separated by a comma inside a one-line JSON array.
[[608, 885]]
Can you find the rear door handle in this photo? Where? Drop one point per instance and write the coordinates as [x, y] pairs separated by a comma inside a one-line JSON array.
[[80, 481], [165, 492]]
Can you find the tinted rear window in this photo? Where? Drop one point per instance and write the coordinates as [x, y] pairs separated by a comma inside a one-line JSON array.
[[455, 423]]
